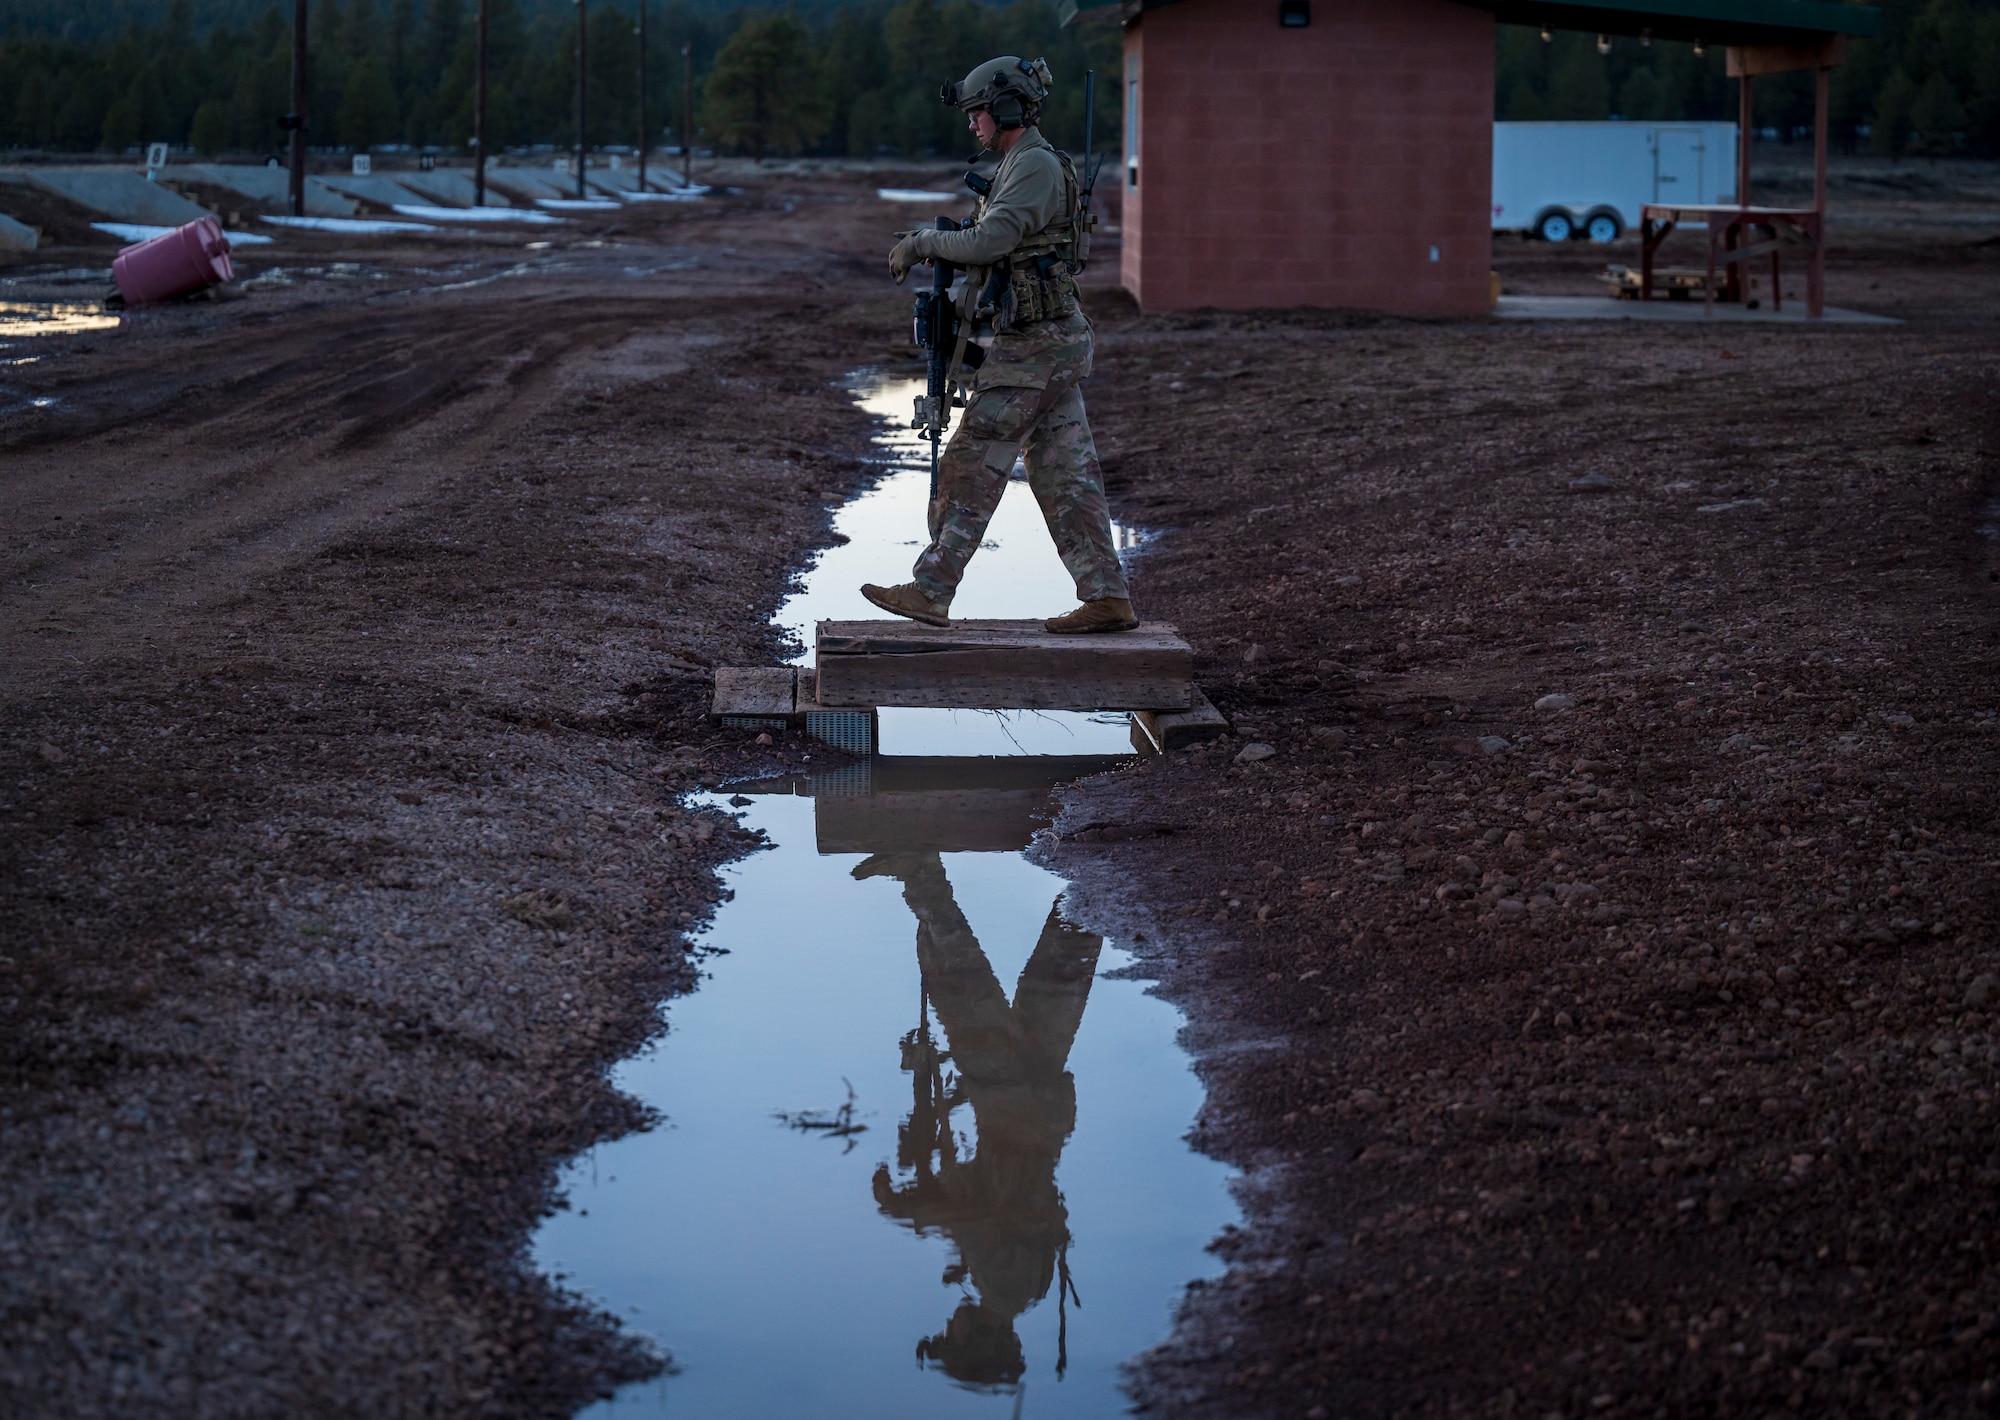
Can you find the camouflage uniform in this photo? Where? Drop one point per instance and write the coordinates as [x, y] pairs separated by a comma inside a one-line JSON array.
[[1025, 397]]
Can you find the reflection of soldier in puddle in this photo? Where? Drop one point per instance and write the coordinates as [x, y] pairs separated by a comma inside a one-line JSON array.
[[1000, 1207]]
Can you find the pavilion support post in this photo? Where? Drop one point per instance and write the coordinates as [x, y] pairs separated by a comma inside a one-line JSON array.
[[1745, 110], [1739, 280], [1822, 55]]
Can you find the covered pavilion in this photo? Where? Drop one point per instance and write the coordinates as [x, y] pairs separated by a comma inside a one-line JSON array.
[[1339, 153]]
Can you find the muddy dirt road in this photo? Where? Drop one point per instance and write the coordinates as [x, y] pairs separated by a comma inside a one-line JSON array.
[[354, 639]]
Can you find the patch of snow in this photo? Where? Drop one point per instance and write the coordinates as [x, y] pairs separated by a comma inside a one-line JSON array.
[[578, 204], [914, 194], [135, 233], [352, 226], [474, 214]]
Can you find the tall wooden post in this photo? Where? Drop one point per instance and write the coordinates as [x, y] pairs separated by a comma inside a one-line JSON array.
[[687, 115], [1744, 110], [1816, 263], [582, 54], [642, 96], [295, 121], [479, 108]]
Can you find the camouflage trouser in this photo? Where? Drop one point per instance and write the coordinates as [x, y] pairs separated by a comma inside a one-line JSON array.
[[1025, 400]]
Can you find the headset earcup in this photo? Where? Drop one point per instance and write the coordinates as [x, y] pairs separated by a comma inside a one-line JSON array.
[[1007, 111]]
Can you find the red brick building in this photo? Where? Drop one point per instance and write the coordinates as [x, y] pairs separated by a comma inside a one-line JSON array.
[[1340, 152]]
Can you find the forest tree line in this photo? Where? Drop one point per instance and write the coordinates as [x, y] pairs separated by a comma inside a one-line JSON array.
[[1929, 86], [824, 78]]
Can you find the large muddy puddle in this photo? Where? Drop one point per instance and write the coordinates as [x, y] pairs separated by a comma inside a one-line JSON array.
[[921, 1143]]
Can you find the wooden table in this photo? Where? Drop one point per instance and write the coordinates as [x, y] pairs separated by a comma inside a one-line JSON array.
[[1736, 237]]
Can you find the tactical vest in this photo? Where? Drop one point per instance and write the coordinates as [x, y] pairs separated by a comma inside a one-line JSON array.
[[1037, 280]]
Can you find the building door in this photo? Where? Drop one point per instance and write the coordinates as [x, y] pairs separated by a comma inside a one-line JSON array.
[[1132, 127], [1677, 154]]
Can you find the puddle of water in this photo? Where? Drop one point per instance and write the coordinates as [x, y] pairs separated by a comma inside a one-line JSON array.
[[1019, 1116], [921, 1150], [18, 318]]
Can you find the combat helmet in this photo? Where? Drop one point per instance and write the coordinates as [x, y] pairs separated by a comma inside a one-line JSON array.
[[1010, 88]]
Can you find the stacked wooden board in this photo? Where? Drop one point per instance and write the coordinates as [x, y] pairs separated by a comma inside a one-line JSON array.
[[981, 665]]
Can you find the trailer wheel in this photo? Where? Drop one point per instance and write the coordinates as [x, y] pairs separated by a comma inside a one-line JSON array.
[[1604, 227], [1554, 227]]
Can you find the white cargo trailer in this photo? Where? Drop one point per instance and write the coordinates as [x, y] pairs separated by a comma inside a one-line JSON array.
[[1564, 180]]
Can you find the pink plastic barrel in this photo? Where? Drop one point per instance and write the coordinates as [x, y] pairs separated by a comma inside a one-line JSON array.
[[173, 263]]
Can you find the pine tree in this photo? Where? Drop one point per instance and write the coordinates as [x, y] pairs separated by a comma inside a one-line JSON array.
[[760, 95], [367, 106]]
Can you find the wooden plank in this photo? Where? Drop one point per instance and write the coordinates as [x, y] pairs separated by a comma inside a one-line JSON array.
[[1002, 665], [914, 638], [1749, 61], [1163, 732], [761, 692]]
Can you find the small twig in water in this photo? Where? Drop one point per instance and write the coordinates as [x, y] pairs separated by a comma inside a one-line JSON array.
[[840, 1124]]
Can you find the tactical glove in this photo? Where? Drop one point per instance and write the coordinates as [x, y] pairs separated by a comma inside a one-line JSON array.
[[907, 253]]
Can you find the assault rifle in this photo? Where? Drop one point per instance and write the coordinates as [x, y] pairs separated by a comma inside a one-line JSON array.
[[936, 333]]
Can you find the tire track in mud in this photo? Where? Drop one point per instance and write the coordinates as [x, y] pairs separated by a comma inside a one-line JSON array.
[[315, 454]]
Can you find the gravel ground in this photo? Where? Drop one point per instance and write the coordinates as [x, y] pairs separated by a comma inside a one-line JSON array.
[[1628, 1053]]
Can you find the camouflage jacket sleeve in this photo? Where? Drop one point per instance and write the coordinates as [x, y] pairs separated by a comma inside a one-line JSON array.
[[1028, 195]]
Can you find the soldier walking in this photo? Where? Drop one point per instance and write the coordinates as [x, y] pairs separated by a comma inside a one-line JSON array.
[[1021, 252]]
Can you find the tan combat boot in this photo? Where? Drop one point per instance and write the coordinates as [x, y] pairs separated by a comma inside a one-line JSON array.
[[1105, 614], [908, 600]]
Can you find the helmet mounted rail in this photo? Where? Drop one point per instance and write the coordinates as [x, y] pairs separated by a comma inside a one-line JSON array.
[[1005, 87]]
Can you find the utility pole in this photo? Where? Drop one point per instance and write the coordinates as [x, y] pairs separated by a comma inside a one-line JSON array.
[[479, 110], [687, 114], [642, 95], [296, 119], [581, 53]]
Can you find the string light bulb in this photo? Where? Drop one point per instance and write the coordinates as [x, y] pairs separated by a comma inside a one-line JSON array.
[[1604, 44], [1645, 39], [1699, 49], [1547, 38]]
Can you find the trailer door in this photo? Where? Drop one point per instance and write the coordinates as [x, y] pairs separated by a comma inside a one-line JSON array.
[[1677, 155]]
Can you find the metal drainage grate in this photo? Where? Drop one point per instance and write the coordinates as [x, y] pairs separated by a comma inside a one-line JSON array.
[[849, 730]]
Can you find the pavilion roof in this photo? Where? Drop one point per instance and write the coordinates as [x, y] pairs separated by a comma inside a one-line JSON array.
[[1712, 21]]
